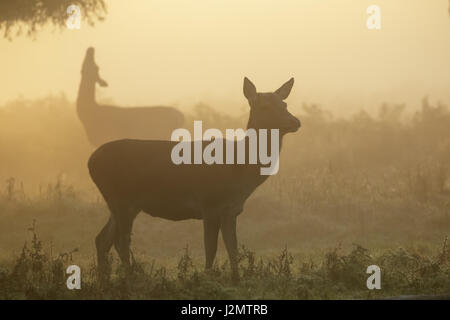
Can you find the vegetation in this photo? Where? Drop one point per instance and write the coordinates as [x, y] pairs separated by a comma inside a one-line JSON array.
[[37, 275], [351, 192], [29, 15]]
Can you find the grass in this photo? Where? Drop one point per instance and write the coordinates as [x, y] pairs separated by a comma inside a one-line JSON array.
[[36, 274]]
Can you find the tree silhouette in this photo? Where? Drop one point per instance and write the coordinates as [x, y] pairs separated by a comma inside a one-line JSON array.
[[29, 15]]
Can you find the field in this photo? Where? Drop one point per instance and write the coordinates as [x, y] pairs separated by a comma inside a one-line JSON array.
[[351, 192]]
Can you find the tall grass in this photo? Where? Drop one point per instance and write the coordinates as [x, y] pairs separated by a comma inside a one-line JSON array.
[[37, 274]]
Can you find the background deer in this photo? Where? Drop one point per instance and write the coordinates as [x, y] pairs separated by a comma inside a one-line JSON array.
[[107, 123], [136, 175]]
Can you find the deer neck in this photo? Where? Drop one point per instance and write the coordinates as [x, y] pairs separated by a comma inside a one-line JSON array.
[[86, 95], [252, 125], [250, 175]]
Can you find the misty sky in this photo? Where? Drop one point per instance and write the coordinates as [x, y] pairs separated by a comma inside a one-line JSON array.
[[181, 52]]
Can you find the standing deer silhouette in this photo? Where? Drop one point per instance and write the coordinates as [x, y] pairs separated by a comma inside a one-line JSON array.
[[104, 123], [137, 175]]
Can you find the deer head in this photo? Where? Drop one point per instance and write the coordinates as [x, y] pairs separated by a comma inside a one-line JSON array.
[[90, 70], [268, 110]]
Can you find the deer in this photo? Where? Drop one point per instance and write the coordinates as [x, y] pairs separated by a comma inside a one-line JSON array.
[[138, 175], [104, 123]]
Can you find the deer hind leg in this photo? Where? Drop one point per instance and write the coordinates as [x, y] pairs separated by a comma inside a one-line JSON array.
[[211, 226], [104, 242], [122, 238], [228, 228]]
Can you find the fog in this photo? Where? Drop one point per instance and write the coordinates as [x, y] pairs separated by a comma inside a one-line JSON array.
[[180, 52], [365, 181]]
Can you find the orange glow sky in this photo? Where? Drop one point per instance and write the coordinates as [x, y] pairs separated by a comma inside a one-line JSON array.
[[182, 52]]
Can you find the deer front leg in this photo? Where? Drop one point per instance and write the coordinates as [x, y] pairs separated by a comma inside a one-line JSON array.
[[211, 227], [228, 227]]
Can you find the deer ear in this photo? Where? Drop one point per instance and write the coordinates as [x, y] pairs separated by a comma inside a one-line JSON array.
[[88, 61], [285, 89], [249, 89], [90, 51]]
